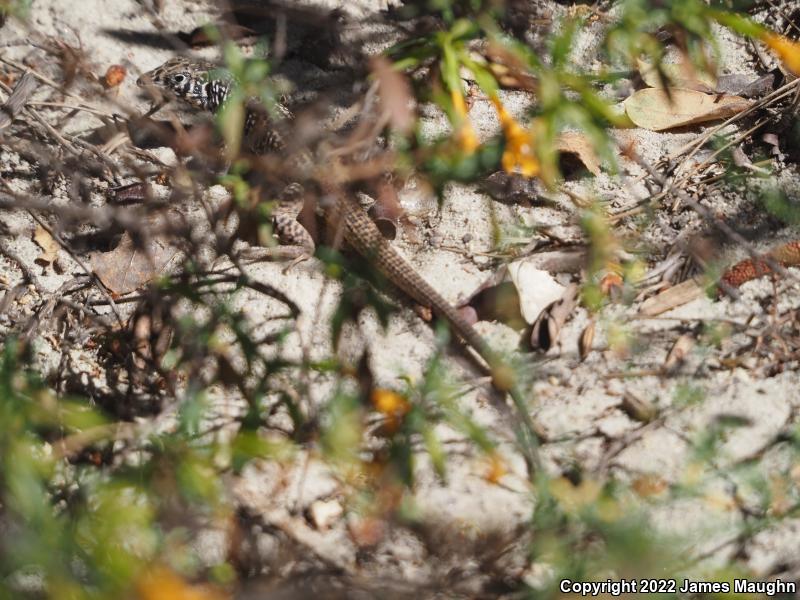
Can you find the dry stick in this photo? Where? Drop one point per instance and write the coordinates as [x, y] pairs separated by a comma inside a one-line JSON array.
[[27, 273], [21, 104], [78, 107], [707, 162], [81, 264], [83, 106], [694, 146], [30, 207], [44, 79], [732, 234], [683, 179]]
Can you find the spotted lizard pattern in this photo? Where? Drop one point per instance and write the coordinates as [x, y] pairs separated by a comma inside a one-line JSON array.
[[204, 86]]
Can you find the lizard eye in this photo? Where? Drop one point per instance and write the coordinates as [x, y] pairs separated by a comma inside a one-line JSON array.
[[179, 78]]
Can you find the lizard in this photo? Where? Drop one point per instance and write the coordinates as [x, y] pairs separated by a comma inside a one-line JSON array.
[[205, 86]]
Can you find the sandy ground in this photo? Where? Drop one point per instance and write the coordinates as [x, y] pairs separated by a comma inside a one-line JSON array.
[[578, 403]]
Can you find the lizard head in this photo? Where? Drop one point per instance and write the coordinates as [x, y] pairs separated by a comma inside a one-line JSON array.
[[201, 84]]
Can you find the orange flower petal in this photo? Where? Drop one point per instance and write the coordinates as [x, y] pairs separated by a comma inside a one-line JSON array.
[[787, 50]]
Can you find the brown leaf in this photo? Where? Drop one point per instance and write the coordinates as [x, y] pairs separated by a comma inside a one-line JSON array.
[[547, 328], [48, 245], [678, 353], [649, 485], [128, 266], [386, 211], [586, 339], [637, 408], [575, 142], [678, 75], [395, 94], [660, 109]]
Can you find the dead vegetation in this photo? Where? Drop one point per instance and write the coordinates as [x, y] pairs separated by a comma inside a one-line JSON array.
[[623, 228]]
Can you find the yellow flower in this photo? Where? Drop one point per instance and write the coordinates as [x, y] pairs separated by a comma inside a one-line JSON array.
[[787, 50], [163, 584], [391, 404], [497, 468], [519, 153], [465, 135]]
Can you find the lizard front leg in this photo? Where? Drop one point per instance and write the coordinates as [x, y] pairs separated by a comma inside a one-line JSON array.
[[289, 231], [296, 243]]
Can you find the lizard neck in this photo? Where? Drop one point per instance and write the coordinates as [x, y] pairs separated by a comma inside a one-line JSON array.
[[216, 93]]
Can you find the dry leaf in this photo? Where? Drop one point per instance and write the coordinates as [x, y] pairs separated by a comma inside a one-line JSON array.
[[658, 109], [387, 211], [536, 288], [324, 513], [547, 328], [679, 75], [128, 266], [637, 408], [679, 351], [649, 485], [48, 245], [586, 339], [575, 142], [395, 94]]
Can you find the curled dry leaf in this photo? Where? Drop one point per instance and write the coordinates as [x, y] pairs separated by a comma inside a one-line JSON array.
[[586, 339], [48, 245], [575, 142], [536, 288], [660, 109], [386, 211], [637, 408], [547, 328], [495, 299], [324, 513], [678, 353]]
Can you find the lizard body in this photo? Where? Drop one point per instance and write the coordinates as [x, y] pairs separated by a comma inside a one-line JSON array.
[[198, 84]]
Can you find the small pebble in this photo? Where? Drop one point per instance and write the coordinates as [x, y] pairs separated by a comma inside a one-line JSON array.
[[467, 238]]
